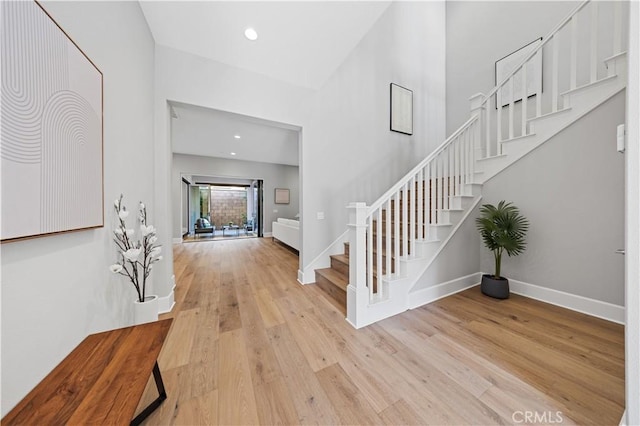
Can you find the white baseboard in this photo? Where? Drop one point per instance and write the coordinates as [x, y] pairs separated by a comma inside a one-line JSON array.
[[177, 240], [431, 294], [267, 235], [166, 303], [308, 274], [595, 308]]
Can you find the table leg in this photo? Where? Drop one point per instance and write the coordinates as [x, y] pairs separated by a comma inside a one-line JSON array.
[[162, 395]]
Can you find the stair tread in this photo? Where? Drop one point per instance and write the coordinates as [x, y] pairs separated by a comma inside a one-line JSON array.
[[335, 277]]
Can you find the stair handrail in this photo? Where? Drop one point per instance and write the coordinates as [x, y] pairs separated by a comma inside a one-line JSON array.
[[531, 54], [381, 200]]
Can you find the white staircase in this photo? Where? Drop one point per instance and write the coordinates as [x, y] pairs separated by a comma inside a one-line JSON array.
[[396, 239]]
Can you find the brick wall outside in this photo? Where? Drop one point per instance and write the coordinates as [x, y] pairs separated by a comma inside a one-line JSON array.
[[228, 206]]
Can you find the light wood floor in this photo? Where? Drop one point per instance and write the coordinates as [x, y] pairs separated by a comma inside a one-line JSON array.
[[250, 345]]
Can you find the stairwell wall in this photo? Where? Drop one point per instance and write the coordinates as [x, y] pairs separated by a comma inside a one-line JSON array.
[[349, 153], [571, 189]]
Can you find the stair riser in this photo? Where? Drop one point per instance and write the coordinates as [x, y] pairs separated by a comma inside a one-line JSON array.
[[340, 266], [427, 249], [439, 232], [450, 216], [460, 202], [332, 290]]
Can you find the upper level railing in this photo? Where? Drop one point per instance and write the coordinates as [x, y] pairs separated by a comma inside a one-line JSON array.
[[576, 50]]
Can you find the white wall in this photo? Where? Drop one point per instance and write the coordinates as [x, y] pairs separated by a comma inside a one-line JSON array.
[[274, 176], [572, 191], [347, 151], [481, 32], [56, 290]]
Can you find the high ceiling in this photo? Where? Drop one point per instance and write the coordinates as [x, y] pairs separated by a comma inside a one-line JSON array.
[[211, 133], [299, 42]]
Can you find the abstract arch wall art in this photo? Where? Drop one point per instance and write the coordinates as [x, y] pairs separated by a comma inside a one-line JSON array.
[[51, 131]]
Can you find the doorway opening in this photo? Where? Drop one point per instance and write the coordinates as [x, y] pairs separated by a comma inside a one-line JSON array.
[[222, 211]]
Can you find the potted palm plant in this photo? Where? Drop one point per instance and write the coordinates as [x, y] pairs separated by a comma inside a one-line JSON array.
[[503, 229]]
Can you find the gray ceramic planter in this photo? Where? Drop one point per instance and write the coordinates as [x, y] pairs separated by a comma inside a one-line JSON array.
[[497, 288]]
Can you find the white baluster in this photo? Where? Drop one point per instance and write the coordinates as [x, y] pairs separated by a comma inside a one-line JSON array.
[[574, 52], [370, 243], [593, 60], [525, 99], [432, 193], [499, 119], [405, 217], [396, 232], [463, 162], [440, 196], [389, 235], [554, 73], [449, 176], [538, 89], [412, 217], [379, 250], [420, 223], [456, 161], [511, 106], [617, 27], [472, 150], [466, 156], [445, 179], [488, 127]]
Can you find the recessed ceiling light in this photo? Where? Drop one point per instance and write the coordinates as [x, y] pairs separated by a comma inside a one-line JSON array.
[[233, 153], [251, 34], [236, 136]]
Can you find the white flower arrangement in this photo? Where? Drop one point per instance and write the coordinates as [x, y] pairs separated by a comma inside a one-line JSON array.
[[136, 256]]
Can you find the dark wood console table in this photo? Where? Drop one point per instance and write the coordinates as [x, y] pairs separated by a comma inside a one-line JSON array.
[[100, 381]]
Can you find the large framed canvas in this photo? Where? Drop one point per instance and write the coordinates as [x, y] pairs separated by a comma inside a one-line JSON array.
[[51, 142], [505, 66], [401, 109]]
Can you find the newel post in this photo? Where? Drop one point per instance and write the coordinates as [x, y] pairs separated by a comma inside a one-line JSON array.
[[475, 103], [357, 292]]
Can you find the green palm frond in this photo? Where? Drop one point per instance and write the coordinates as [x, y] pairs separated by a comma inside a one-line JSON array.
[[502, 228]]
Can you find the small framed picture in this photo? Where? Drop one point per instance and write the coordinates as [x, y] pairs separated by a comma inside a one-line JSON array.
[[282, 196], [401, 110]]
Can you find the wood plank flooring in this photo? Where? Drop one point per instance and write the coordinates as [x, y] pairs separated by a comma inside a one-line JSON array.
[[250, 345]]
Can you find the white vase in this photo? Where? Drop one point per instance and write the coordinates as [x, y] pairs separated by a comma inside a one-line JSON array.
[[146, 311]]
